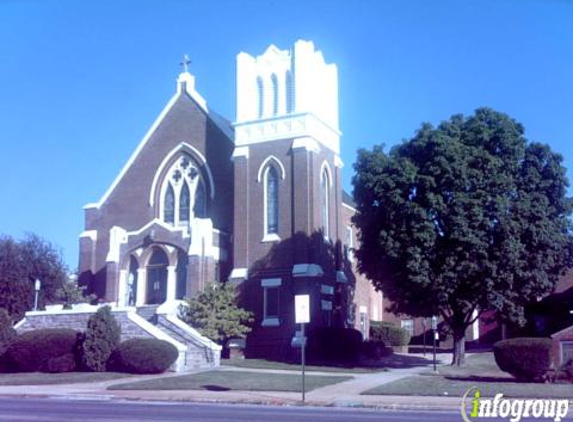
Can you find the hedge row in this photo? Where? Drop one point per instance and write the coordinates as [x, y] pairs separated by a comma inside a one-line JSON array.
[[389, 334]]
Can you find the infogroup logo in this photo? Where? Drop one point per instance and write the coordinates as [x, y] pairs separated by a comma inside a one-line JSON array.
[[475, 407]]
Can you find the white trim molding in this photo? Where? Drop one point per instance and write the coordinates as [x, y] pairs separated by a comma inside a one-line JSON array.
[[307, 143], [91, 234], [338, 161], [326, 166], [262, 168], [307, 270], [271, 282], [242, 273], [270, 237], [240, 152], [178, 149]]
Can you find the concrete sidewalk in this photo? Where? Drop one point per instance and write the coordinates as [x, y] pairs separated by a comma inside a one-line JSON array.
[[344, 394]]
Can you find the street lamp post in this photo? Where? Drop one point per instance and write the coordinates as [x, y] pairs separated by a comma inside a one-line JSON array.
[[37, 287]]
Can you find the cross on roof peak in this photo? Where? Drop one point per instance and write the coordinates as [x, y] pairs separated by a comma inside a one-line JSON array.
[[185, 63]]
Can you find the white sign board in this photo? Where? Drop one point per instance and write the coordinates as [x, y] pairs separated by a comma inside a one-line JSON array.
[[302, 309]]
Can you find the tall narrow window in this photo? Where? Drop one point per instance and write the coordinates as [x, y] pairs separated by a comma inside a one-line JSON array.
[[169, 205], [289, 93], [324, 205], [272, 186], [200, 208], [271, 302], [275, 83], [184, 201], [261, 94]]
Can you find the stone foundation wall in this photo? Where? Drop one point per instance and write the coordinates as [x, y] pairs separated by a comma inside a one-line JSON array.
[[78, 320]]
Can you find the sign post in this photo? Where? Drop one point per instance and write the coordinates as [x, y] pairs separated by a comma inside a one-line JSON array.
[[302, 317], [435, 330], [37, 287]]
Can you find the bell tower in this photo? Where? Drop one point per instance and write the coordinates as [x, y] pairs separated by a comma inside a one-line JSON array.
[[287, 94], [287, 119]]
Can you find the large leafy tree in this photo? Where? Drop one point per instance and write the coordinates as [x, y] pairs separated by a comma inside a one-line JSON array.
[[463, 218], [215, 314], [21, 263]]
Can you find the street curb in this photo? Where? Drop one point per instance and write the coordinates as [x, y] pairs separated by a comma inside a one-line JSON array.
[[267, 401]]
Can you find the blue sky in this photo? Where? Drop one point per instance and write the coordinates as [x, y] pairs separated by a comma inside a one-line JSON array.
[[82, 81]]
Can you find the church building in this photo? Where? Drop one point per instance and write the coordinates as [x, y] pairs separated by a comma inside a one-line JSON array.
[[257, 202]]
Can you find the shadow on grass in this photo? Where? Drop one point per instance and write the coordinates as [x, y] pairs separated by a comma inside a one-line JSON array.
[[214, 388], [479, 378], [405, 361]]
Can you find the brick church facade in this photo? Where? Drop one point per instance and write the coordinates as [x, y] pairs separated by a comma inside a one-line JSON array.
[[257, 202]]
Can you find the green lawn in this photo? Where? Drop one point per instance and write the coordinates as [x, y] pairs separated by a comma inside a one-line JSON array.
[[232, 380], [481, 372], [268, 364], [40, 378]]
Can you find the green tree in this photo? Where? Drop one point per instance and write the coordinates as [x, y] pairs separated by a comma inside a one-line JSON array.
[[463, 218], [21, 263], [71, 293], [7, 331], [101, 338], [215, 314]]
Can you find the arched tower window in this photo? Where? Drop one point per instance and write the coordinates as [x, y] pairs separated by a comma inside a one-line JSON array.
[[169, 206], [184, 203], [200, 207], [289, 92], [261, 95], [275, 84], [325, 182], [272, 201]]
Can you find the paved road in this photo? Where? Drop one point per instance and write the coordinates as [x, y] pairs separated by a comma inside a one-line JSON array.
[[65, 410]]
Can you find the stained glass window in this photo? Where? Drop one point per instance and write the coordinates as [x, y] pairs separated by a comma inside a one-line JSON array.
[[272, 200], [184, 201], [169, 206]]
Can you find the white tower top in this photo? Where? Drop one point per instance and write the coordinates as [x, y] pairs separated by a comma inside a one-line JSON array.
[[287, 94]]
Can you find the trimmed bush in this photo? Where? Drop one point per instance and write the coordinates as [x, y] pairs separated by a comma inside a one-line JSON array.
[[143, 356], [389, 334], [527, 359], [44, 350], [101, 339], [334, 343], [7, 331]]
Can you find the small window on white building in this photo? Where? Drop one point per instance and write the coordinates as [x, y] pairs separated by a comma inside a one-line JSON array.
[[275, 84], [408, 325], [261, 96]]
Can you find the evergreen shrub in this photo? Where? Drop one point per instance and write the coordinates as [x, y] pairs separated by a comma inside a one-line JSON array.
[[143, 356], [527, 359]]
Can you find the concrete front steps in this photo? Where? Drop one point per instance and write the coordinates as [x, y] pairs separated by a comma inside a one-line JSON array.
[[153, 321]]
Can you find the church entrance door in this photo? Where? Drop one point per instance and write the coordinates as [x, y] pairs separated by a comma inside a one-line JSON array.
[[157, 277]]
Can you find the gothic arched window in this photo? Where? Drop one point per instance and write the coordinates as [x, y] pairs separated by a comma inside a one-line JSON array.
[[184, 203], [325, 199], [275, 84], [289, 93], [200, 207], [184, 193], [169, 206], [261, 95], [272, 201]]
